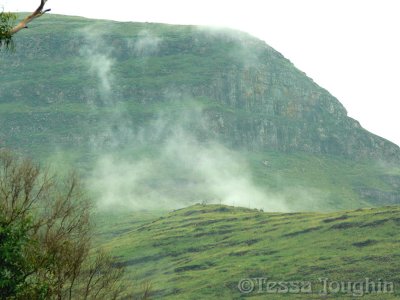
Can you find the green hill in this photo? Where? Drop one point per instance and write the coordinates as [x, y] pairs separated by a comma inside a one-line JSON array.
[[202, 252], [158, 117], [175, 115]]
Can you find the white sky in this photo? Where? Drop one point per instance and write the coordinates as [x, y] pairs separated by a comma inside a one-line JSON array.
[[349, 47]]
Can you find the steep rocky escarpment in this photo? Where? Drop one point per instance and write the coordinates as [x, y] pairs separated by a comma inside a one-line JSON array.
[[255, 97], [79, 89]]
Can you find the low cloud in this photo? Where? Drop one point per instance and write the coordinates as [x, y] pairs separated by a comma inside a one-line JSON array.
[[181, 170], [98, 56], [145, 44]]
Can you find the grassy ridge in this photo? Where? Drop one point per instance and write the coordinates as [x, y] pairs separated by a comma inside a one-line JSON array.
[[202, 252]]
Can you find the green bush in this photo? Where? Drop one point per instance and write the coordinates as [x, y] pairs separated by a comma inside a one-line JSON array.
[[7, 21]]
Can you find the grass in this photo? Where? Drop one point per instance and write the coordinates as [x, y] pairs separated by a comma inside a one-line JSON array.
[[203, 251]]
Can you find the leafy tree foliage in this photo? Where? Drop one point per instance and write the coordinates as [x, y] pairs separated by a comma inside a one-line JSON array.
[[45, 238], [7, 22], [14, 267]]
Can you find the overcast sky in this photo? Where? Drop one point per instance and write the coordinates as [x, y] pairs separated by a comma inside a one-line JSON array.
[[349, 47]]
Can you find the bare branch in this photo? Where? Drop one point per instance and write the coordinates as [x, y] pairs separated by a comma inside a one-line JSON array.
[[36, 14]]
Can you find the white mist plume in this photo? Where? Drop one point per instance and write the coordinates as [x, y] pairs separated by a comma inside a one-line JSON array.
[[183, 171], [145, 44], [100, 65], [114, 127], [98, 57], [246, 49], [224, 173]]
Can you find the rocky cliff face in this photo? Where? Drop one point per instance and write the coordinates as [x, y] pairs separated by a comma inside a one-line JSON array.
[[252, 96]]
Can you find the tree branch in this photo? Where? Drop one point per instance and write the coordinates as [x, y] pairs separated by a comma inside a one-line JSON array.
[[36, 14]]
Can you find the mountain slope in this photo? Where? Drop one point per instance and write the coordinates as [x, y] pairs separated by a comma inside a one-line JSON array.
[[264, 101], [202, 252], [78, 89]]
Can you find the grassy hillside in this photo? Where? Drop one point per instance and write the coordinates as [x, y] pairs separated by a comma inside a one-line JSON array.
[[202, 252], [158, 117]]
